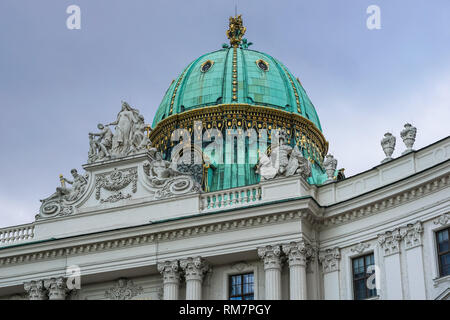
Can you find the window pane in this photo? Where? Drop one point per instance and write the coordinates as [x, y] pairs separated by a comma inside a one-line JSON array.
[[443, 241], [248, 288], [241, 286], [360, 275], [237, 289], [248, 278], [372, 293], [249, 297], [369, 260], [445, 264], [358, 266], [360, 289]]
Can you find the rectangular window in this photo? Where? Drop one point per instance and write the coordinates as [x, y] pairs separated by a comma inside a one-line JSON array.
[[443, 250], [242, 287], [361, 288]]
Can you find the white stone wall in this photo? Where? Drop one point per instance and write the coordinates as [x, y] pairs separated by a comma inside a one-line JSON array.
[[407, 198]]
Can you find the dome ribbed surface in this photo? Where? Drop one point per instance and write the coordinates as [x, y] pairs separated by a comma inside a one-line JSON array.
[[276, 87]]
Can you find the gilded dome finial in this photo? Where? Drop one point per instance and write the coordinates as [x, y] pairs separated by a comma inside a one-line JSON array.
[[236, 30]]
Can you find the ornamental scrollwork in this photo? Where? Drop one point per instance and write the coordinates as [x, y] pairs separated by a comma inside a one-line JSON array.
[[115, 181], [124, 289], [329, 259], [442, 219], [271, 256], [61, 202], [298, 253], [390, 241], [164, 178], [360, 247]]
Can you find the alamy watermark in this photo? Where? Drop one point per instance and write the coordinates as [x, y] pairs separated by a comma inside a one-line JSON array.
[[73, 276], [373, 21], [74, 20]]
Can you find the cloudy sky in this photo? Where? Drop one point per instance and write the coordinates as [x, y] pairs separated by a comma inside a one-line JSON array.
[[56, 84]]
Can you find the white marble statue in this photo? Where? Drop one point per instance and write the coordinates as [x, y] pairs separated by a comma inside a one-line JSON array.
[[160, 169], [408, 135], [78, 183], [284, 161], [280, 154], [302, 165], [388, 145], [163, 178], [264, 167], [129, 136], [123, 132], [100, 148], [60, 201]]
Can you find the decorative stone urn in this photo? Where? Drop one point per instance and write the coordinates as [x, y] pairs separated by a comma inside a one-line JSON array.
[[388, 145], [330, 165], [408, 135]]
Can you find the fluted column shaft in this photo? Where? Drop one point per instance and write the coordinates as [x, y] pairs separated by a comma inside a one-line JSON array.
[[297, 282], [195, 269], [298, 253], [193, 288], [271, 255], [171, 279]]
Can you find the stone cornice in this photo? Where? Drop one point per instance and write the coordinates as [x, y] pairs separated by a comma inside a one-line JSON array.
[[153, 237], [386, 203], [237, 223]]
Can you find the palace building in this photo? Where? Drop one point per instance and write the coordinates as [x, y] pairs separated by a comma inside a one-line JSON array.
[[230, 193]]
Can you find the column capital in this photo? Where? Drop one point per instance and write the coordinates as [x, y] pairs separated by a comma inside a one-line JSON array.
[[170, 271], [413, 237], [329, 259], [271, 255], [57, 288], [298, 253], [390, 241], [194, 268], [35, 290]]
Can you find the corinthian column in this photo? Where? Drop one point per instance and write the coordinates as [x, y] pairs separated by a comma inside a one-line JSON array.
[[330, 263], [272, 269], [298, 253], [57, 288], [194, 269], [35, 290], [171, 279]]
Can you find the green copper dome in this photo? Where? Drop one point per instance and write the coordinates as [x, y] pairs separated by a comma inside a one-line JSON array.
[[255, 78], [236, 91]]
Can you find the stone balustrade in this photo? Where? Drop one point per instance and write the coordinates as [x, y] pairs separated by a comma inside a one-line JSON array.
[[231, 198], [12, 235]]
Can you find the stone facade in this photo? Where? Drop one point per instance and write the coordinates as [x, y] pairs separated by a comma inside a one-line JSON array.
[[298, 243]]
